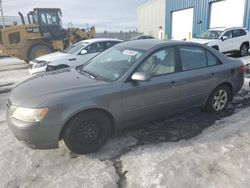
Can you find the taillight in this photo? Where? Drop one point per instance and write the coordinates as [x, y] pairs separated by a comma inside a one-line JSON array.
[[243, 69]]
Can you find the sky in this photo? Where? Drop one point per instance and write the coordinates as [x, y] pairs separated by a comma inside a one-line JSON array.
[[108, 15]]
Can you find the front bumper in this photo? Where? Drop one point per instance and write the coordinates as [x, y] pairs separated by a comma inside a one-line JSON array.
[[34, 135]]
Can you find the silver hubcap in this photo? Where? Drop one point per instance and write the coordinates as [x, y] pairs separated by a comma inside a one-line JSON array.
[[220, 100]]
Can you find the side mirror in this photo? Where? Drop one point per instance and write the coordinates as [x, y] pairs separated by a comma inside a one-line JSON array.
[[140, 76], [224, 38], [83, 52]]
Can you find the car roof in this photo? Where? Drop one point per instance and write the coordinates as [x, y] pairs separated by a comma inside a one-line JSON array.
[[101, 40], [225, 28], [150, 43]]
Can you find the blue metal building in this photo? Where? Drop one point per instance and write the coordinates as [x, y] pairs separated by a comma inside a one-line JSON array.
[[201, 16]]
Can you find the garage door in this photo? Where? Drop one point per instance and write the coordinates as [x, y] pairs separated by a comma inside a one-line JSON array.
[[182, 24], [227, 13]]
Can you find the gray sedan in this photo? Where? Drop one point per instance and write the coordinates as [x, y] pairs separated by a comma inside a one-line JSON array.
[[130, 83]]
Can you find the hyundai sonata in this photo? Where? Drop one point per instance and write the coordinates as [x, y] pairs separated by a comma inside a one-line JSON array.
[[130, 83]]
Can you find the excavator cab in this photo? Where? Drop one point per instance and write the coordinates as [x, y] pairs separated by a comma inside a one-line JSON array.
[[49, 20]]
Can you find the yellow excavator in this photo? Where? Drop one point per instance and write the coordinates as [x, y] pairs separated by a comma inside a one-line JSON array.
[[42, 35]]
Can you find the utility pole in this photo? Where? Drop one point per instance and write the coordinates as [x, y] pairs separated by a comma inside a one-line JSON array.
[[1, 9]]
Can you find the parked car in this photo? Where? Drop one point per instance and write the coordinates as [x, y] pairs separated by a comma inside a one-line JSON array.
[[226, 40], [132, 82], [141, 37], [73, 56]]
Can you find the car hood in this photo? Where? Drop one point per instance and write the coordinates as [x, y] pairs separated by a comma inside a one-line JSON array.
[[53, 56], [202, 41], [41, 88]]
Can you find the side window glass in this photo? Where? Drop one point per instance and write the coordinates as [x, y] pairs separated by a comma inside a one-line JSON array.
[[108, 45], [236, 33], [94, 48], [192, 58], [242, 32], [211, 59], [228, 34], [43, 19], [161, 62]]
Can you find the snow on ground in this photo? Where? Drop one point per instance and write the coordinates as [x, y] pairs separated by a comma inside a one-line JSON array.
[[23, 167], [219, 157]]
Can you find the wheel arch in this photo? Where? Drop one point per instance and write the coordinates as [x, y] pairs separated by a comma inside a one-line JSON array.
[[228, 84], [246, 42], [99, 110]]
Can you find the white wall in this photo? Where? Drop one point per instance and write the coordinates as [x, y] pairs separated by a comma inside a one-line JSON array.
[[150, 16], [182, 24], [227, 13]]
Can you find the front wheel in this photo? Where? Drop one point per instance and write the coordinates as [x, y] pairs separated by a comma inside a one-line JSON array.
[[38, 50], [219, 99], [87, 132]]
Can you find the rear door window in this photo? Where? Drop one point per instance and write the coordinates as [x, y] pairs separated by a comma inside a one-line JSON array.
[[211, 59], [192, 57], [109, 44], [238, 33]]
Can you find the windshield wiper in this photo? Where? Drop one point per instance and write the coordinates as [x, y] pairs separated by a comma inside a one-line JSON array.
[[88, 74]]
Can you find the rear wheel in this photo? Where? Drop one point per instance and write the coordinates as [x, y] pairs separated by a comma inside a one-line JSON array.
[[38, 50], [243, 50], [87, 132], [219, 99]]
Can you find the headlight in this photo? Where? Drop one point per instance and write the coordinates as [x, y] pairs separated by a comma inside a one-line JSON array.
[[41, 64], [29, 115]]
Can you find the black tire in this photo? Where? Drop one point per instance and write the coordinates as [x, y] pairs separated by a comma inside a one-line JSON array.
[[223, 101], [87, 132], [243, 50], [38, 50]]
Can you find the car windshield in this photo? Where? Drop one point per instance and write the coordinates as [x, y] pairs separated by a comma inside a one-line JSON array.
[[210, 34], [75, 47], [112, 64]]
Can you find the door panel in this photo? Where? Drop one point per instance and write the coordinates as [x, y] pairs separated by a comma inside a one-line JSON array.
[[196, 85], [197, 79], [148, 100], [226, 45], [160, 95]]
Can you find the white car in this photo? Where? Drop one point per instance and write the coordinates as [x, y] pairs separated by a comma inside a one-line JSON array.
[[73, 56], [226, 40]]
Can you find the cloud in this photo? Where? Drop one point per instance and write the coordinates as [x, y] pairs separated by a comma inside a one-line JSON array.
[[104, 14]]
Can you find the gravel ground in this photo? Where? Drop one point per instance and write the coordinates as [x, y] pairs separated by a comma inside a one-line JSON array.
[[192, 149]]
